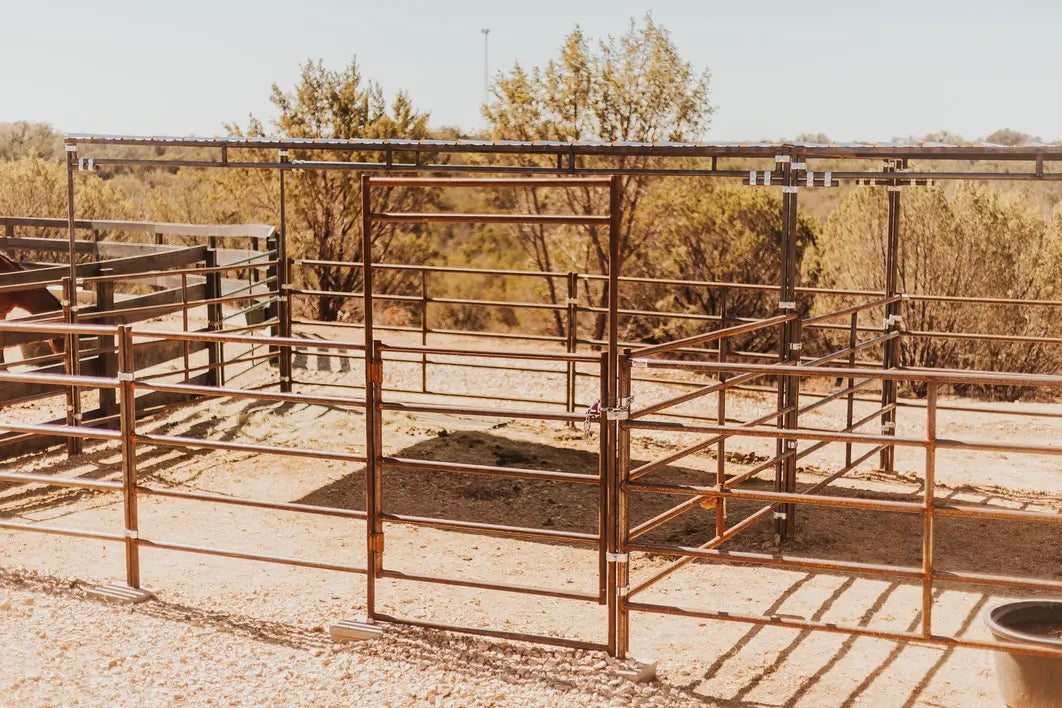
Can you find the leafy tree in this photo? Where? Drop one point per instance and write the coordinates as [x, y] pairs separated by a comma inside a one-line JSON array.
[[324, 207], [33, 187], [1006, 136], [704, 231], [974, 242], [24, 139], [635, 87]]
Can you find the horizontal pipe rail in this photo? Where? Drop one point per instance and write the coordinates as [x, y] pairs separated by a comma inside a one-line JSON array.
[[512, 472], [790, 622], [450, 218], [476, 182], [711, 336], [987, 378], [244, 555], [197, 443], [483, 585], [501, 529], [244, 501]]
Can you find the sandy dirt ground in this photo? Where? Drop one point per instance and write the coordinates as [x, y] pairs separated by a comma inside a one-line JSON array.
[[238, 632]]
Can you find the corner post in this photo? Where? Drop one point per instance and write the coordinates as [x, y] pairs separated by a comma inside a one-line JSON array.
[[283, 274], [373, 412], [215, 354], [891, 353], [74, 445], [789, 348], [127, 412]]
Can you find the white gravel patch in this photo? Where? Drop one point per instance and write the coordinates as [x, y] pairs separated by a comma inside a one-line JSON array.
[[66, 649]]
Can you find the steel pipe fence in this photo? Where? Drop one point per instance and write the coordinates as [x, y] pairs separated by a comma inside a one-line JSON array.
[[714, 368]]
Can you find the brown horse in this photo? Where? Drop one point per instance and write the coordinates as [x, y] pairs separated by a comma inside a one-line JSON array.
[[35, 300]]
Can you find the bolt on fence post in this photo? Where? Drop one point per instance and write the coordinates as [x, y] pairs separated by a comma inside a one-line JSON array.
[[127, 414]]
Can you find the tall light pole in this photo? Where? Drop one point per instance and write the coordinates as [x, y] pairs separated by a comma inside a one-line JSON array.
[[486, 75]]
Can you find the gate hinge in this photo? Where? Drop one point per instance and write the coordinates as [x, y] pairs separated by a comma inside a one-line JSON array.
[[616, 557]]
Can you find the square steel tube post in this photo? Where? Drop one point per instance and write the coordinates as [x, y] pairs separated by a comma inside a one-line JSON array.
[[108, 400], [607, 527], [74, 445], [373, 412], [720, 453], [610, 403], [785, 469], [623, 468], [127, 425], [215, 350], [928, 530], [283, 284], [891, 354], [795, 347]]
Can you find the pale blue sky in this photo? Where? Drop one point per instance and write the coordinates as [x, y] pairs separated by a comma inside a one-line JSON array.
[[855, 70]]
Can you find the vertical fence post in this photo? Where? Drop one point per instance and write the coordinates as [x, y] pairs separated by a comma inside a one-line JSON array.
[[852, 331], [108, 354], [571, 339], [610, 402], [891, 355], [187, 345], [720, 417], [127, 414], [215, 374], [373, 413], [793, 423], [930, 491], [283, 274], [74, 445], [424, 330], [607, 528], [785, 469], [623, 467]]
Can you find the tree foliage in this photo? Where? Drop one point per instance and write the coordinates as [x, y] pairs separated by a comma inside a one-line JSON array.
[[632, 88], [324, 213], [23, 139], [973, 241]]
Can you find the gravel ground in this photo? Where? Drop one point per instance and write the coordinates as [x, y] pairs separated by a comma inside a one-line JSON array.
[[227, 632], [154, 654]]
